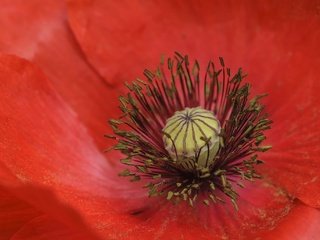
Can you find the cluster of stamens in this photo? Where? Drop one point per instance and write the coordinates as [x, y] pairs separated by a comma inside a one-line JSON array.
[[188, 136]]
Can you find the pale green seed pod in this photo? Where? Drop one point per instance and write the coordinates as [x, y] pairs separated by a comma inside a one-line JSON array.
[[191, 137]]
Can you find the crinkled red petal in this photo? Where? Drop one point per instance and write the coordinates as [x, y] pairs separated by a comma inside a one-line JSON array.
[[122, 38], [294, 160], [39, 32], [47, 157]]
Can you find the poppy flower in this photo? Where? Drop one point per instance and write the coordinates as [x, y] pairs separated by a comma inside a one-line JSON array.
[[62, 67]]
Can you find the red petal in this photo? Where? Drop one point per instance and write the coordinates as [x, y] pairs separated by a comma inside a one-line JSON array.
[[19, 220], [39, 32], [294, 160], [302, 223], [45, 228], [44, 146], [276, 43], [13, 214], [136, 33]]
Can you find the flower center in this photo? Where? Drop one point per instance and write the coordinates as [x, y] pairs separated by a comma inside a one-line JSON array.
[[191, 137]]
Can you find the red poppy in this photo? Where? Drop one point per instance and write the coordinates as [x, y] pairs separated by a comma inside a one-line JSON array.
[[55, 180]]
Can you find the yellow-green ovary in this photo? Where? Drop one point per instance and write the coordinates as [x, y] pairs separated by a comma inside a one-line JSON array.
[[188, 130]]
